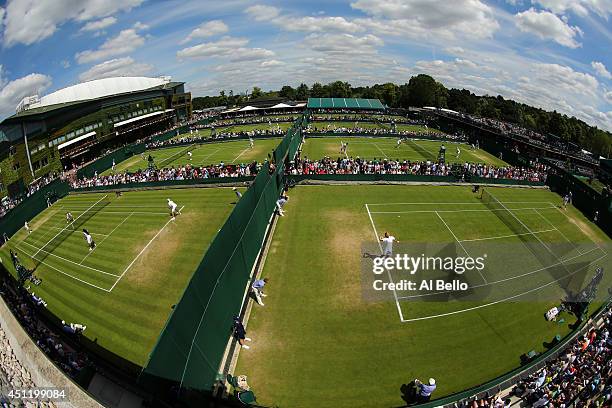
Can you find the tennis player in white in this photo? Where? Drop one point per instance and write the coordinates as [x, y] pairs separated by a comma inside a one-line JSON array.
[[189, 154], [90, 242], [251, 143], [173, 209], [388, 241], [27, 227]]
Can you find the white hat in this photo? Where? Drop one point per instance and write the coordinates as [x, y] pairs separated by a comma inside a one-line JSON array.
[[168, 199], [63, 322], [432, 381], [234, 188]]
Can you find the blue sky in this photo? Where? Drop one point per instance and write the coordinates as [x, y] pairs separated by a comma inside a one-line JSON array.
[[555, 54]]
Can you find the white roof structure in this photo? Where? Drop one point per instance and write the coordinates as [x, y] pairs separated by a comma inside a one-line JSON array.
[[280, 106], [93, 89], [248, 108]]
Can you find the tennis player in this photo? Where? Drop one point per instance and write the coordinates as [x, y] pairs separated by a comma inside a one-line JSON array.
[[251, 143], [27, 227], [238, 193], [90, 241], [388, 241], [69, 217], [189, 154], [173, 209]]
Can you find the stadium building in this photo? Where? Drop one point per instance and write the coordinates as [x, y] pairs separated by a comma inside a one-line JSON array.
[[75, 124]]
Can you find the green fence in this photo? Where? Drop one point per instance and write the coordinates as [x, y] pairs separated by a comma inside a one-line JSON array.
[[191, 347], [584, 197], [31, 207], [106, 162], [399, 178], [166, 183]]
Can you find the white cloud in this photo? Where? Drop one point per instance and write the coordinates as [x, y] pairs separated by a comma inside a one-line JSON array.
[[250, 54], [221, 48], [99, 24], [271, 63], [346, 44], [580, 7], [601, 69], [125, 66], [125, 42], [307, 24], [12, 92], [30, 21], [207, 29], [548, 26], [65, 64], [608, 96], [424, 18], [260, 12]]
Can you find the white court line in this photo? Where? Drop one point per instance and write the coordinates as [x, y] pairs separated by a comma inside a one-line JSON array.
[[557, 229], [399, 308], [458, 202], [241, 153], [141, 252], [455, 211], [509, 278], [208, 155], [495, 302], [91, 252], [62, 272], [380, 150], [134, 212], [102, 235], [508, 236], [460, 244], [68, 260], [70, 224], [579, 227]]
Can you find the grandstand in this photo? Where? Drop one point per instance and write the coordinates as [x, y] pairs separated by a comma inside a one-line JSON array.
[[75, 124]]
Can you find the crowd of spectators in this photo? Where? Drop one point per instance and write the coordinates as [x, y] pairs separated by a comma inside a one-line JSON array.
[[24, 306], [431, 134], [386, 119], [228, 135], [581, 376], [246, 120], [343, 165], [510, 129], [187, 172], [7, 204]]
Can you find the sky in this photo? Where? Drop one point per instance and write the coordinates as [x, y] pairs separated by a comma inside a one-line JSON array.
[[554, 54]]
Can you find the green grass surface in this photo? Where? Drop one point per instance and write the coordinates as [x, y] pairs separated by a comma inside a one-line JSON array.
[[122, 291], [386, 148], [235, 152], [319, 342], [237, 128], [364, 125]]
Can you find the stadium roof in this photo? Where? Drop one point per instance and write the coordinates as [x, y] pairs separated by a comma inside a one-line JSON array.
[[99, 88], [343, 103], [90, 91]]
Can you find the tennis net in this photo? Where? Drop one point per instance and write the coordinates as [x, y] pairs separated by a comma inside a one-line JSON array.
[[41, 254], [163, 163]]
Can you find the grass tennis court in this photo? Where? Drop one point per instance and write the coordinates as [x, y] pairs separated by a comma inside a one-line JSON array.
[[326, 125], [234, 152], [238, 128], [319, 342], [124, 289], [386, 148]]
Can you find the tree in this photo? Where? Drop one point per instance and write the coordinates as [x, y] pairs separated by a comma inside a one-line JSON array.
[[287, 92], [317, 91], [302, 92], [422, 90], [256, 93]]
